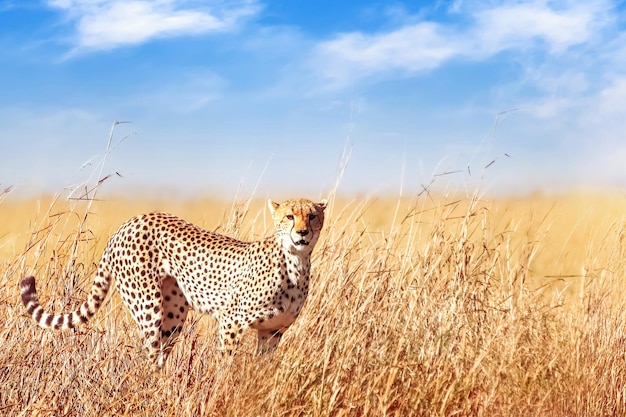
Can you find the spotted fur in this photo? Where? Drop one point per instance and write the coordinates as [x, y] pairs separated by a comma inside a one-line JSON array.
[[163, 266]]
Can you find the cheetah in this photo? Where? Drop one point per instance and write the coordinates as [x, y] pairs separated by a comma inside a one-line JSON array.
[[163, 266]]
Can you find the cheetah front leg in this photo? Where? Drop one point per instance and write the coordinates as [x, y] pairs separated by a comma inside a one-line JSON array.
[[230, 331], [268, 340]]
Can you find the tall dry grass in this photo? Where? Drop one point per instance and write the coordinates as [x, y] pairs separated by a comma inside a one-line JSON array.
[[426, 306]]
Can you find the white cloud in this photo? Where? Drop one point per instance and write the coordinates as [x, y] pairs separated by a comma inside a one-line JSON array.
[[108, 24], [413, 48], [549, 91], [602, 112], [422, 46], [613, 97], [517, 25]]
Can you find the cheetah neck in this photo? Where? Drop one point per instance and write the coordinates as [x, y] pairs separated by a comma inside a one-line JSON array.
[[297, 262], [298, 267]]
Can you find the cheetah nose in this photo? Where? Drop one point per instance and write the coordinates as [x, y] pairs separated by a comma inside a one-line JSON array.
[[303, 232]]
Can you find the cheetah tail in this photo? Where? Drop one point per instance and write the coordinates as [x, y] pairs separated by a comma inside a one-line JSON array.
[[86, 310]]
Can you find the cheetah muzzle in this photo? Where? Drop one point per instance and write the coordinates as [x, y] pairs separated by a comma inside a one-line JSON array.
[[163, 266]]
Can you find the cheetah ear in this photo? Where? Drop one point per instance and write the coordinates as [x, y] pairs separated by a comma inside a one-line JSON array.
[[272, 206], [322, 204]]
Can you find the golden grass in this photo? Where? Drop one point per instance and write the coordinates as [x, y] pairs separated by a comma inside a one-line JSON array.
[[434, 306]]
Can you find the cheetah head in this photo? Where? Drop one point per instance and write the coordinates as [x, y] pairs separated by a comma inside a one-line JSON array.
[[298, 223]]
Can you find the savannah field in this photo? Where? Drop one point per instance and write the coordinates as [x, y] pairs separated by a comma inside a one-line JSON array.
[[429, 305]]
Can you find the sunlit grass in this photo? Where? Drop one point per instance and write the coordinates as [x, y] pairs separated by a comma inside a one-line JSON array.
[[433, 305]]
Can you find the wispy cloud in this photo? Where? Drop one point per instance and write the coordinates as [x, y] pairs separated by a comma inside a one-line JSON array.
[[108, 24], [414, 48], [186, 93], [517, 25], [424, 45]]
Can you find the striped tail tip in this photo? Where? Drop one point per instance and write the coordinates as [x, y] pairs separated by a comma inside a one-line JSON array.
[[28, 291], [27, 288]]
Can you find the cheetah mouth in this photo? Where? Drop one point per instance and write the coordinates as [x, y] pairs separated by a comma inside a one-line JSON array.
[[300, 242]]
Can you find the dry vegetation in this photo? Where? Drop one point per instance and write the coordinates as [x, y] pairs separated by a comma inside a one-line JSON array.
[[434, 306]]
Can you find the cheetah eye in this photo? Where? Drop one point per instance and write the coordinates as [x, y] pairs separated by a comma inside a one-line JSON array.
[[289, 217], [312, 216]]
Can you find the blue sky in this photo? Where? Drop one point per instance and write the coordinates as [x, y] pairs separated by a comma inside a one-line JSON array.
[[266, 96]]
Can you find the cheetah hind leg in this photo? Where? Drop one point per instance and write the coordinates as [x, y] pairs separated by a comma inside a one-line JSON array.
[[175, 309]]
